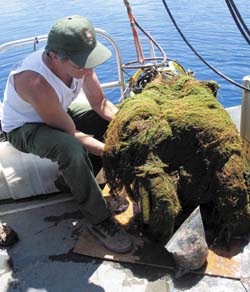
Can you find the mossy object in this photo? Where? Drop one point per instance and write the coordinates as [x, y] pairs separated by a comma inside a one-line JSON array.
[[177, 145]]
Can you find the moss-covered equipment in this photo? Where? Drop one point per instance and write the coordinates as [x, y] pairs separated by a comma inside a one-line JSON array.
[[174, 147]]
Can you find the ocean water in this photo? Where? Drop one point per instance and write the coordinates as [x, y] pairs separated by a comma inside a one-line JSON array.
[[207, 24]]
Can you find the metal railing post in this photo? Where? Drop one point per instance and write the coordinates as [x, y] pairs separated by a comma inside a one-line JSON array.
[[245, 118]]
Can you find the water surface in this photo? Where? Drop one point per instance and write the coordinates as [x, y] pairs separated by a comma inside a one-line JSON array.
[[208, 26]]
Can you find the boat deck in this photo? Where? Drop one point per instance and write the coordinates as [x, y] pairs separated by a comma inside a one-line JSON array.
[[43, 260]]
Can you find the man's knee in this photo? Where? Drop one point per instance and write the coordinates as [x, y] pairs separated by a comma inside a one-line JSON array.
[[71, 148], [73, 152]]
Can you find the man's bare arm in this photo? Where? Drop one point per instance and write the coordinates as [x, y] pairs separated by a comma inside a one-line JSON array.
[[34, 89], [96, 98]]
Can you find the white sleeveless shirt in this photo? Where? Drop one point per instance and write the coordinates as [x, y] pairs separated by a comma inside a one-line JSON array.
[[16, 111]]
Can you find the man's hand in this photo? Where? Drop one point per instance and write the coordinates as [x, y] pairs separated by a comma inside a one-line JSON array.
[[91, 144]]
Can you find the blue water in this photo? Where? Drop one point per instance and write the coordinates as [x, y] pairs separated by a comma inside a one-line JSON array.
[[208, 26]]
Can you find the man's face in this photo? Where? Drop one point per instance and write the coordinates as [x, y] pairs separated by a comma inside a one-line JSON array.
[[74, 70]]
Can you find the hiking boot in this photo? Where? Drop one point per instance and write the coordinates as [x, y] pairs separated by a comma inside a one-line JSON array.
[[7, 235], [111, 235]]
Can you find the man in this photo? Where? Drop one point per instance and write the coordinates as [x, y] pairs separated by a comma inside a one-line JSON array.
[[38, 117]]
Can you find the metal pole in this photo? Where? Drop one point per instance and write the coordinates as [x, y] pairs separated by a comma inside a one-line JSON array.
[[138, 47], [245, 118]]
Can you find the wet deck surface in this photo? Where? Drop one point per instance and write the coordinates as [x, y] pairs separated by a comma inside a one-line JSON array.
[[43, 260]]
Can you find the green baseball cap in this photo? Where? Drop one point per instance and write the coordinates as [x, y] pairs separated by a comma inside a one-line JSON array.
[[75, 37]]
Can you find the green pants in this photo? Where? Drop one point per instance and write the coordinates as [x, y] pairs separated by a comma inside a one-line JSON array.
[[72, 158]]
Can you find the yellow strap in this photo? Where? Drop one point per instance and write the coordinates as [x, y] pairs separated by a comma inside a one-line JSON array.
[[177, 67]]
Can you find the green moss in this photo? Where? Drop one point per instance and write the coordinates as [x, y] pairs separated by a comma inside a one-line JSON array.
[[178, 142]]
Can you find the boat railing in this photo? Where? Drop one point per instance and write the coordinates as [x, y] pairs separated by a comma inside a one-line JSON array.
[[120, 83]]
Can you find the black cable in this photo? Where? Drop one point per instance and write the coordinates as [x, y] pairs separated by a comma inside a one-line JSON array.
[[236, 19], [198, 55], [239, 17]]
